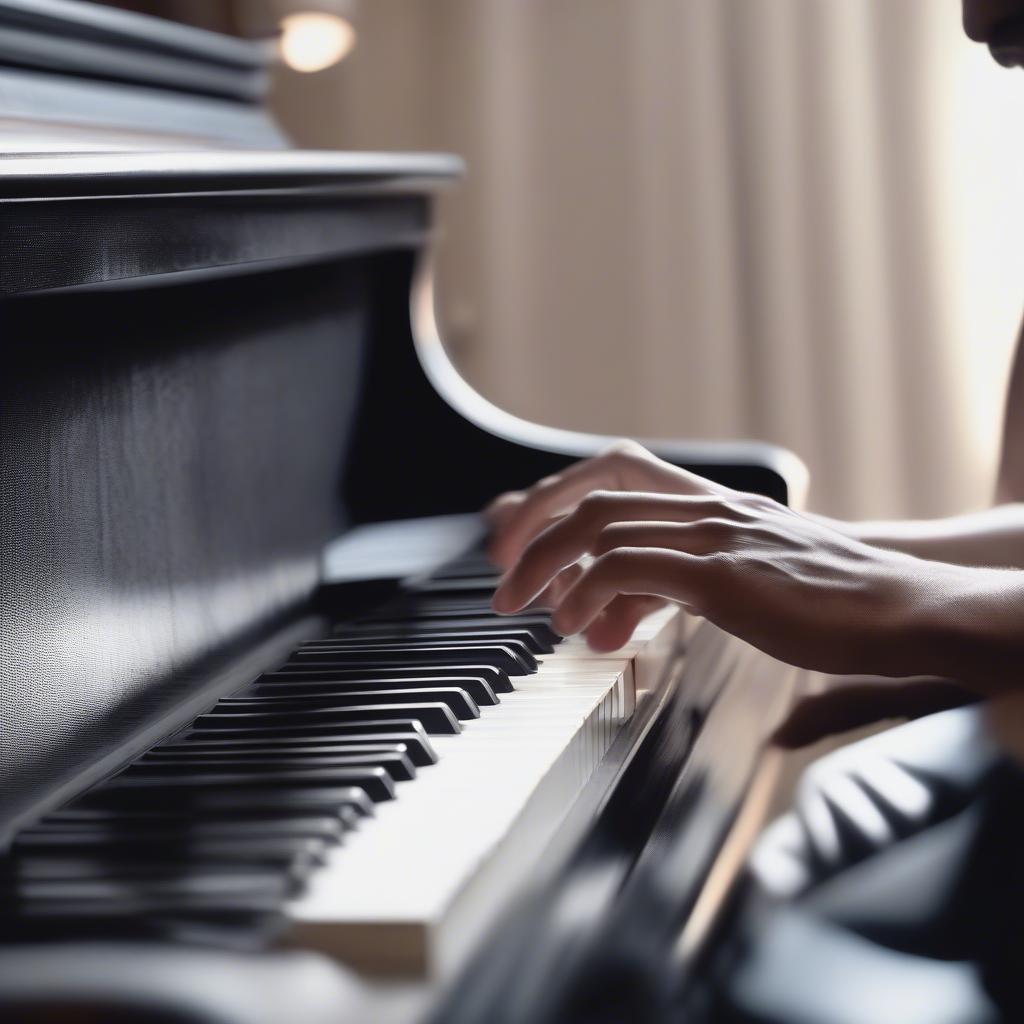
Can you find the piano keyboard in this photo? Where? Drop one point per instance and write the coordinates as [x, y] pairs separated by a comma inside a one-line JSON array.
[[376, 797]]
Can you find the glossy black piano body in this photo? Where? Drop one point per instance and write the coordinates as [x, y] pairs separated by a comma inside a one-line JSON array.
[[217, 357]]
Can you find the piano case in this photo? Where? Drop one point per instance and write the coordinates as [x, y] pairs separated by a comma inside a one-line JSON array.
[[220, 353]]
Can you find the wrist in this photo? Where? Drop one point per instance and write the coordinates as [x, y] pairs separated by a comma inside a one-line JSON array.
[[969, 624]]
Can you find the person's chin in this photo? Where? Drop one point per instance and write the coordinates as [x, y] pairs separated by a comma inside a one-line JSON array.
[[1009, 56], [1006, 43]]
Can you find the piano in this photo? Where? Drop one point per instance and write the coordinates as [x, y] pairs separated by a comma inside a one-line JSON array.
[[266, 753]]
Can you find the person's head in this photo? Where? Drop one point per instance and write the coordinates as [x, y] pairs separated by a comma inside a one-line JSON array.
[[1000, 24]]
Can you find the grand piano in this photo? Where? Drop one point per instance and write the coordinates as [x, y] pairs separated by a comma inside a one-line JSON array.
[[266, 753]]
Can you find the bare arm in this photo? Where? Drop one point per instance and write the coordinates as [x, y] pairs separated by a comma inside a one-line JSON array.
[[788, 583], [992, 537], [784, 582]]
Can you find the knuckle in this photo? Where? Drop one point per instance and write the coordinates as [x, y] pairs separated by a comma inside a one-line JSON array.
[[546, 484], [547, 542], [611, 536], [624, 446], [596, 503], [613, 561], [505, 502], [625, 451]]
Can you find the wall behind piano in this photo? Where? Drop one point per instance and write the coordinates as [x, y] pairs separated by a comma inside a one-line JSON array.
[[784, 219]]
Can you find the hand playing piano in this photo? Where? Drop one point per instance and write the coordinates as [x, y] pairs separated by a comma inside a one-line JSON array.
[[790, 584], [846, 703], [518, 516]]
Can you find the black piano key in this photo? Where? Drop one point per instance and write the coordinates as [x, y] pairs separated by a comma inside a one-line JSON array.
[[538, 627], [394, 762], [464, 570], [432, 611], [419, 749], [483, 584], [199, 751], [498, 680], [514, 662], [433, 718], [159, 784], [478, 689], [438, 635], [142, 871], [229, 911], [267, 851], [434, 602], [462, 705], [335, 799], [310, 731], [350, 817], [328, 830], [248, 926], [240, 911], [456, 641], [234, 885]]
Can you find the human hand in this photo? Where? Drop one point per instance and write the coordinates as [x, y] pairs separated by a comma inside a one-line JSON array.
[[853, 702], [790, 585], [516, 517]]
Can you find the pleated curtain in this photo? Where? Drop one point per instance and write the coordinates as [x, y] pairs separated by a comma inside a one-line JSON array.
[[794, 220]]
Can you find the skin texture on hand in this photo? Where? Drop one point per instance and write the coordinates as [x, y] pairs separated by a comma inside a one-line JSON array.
[[518, 516], [790, 584]]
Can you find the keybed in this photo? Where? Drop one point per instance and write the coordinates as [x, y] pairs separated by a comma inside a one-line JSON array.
[[356, 790]]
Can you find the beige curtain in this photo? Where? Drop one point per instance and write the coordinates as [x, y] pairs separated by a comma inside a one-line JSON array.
[[717, 218]]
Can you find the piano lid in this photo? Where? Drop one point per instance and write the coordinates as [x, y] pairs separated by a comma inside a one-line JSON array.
[[124, 219], [77, 76], [78, 175], [75, 38], [135, 150]]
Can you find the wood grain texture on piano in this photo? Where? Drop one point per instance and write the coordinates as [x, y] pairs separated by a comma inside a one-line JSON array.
[[171, 465]]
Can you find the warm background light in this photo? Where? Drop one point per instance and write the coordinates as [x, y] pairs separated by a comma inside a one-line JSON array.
[[784, 219], [312, 41]]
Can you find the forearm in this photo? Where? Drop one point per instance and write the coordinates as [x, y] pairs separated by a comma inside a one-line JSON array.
[[971, 629], [993, 537]]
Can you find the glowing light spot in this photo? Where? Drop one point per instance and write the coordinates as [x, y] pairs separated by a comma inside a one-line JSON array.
[[313, 40]]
